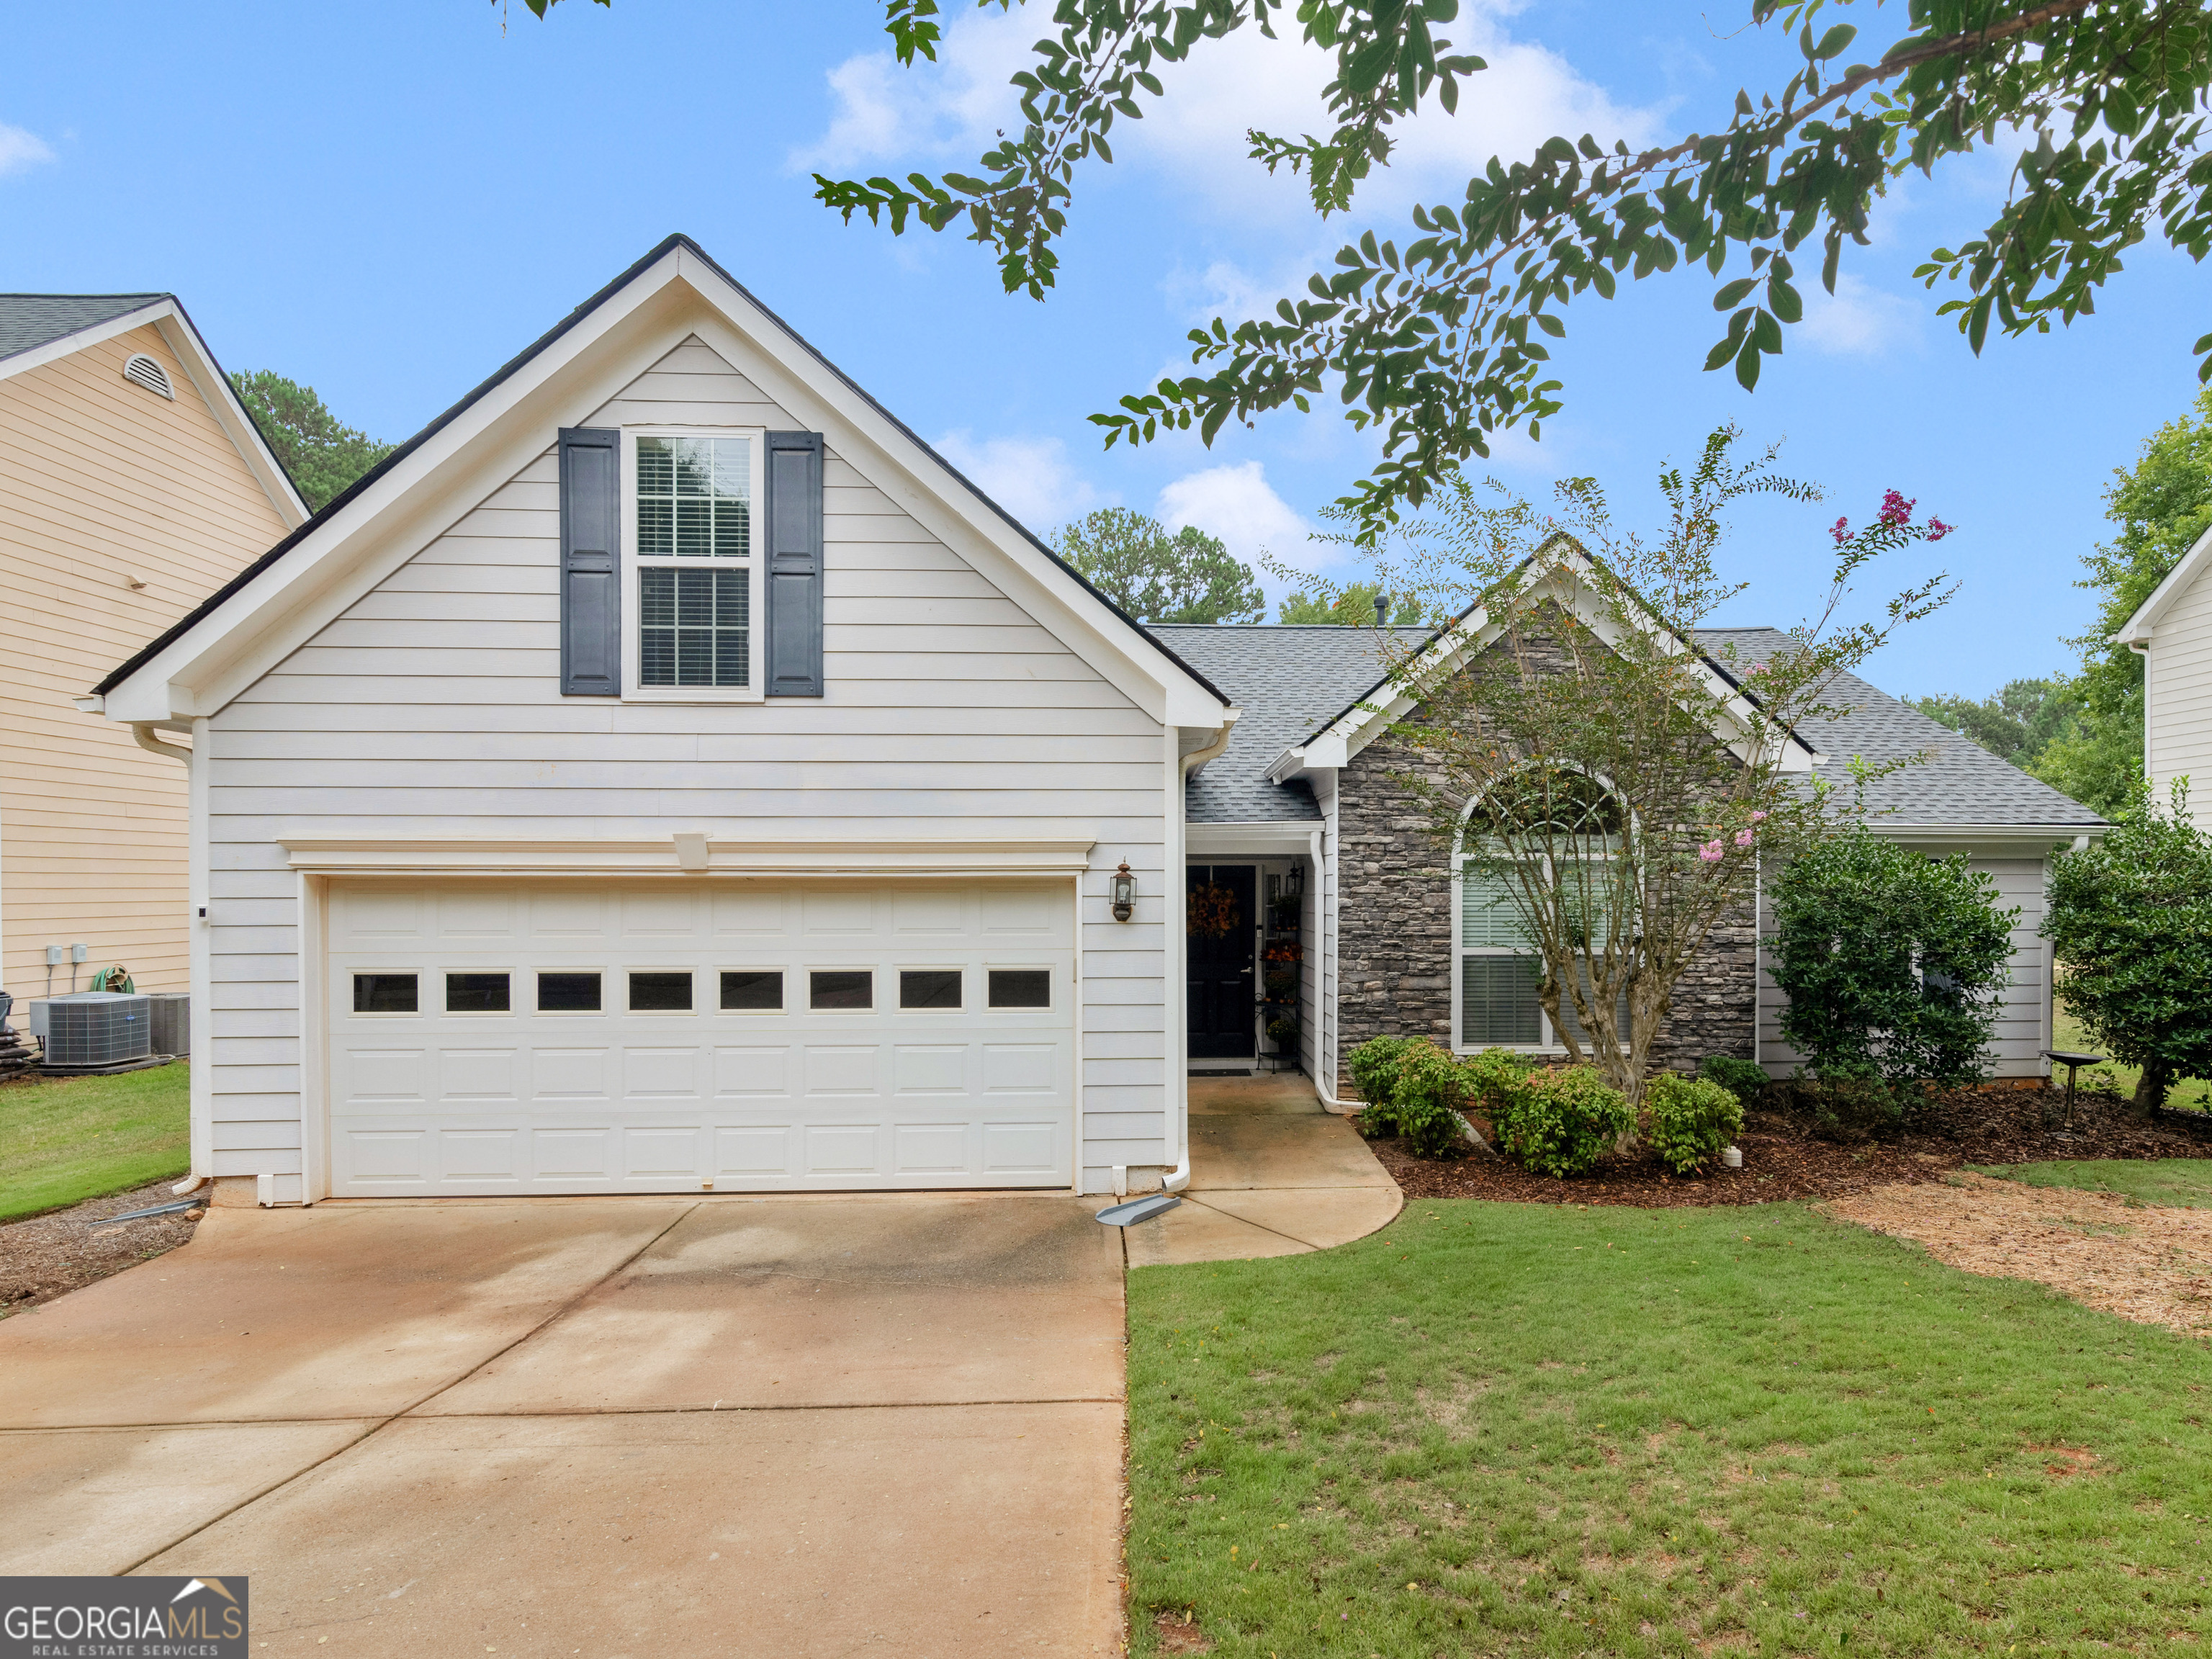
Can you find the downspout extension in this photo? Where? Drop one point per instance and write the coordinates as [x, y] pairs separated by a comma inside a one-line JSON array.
[[1177, 1179]]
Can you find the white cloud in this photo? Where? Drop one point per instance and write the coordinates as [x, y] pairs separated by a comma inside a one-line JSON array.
[[1196, 134], [1856, 320], [1031, 477], [1237, 503], [21, 151]]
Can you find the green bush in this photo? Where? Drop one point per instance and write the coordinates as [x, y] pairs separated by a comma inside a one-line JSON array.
[[2129, 920], [1374, 1067], [1692, 1119], [1893, 963], [1492, 1076], [1560, 1123], [1743, 1078], [1425, 1101]]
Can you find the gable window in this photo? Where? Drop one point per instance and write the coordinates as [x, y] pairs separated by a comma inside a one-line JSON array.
[[1497, 971], [695, 591]]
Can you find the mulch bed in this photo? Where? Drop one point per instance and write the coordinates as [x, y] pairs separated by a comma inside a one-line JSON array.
[[50, 1256], [1785, 1159]]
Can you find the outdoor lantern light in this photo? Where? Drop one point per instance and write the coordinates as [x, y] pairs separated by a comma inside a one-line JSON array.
[[1125, 893]]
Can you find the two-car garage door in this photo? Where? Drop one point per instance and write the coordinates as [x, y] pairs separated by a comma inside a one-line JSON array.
[[674, 1036]]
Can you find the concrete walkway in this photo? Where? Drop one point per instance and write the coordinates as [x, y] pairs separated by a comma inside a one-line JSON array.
[[1271, 1173], [602, 1426], [642, 1426]]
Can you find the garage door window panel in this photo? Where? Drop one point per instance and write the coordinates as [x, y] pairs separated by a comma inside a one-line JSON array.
[[930, 989], [387, 993], [752, 991], [691, 535], [660, 991], [570, 992], [478, 992], [1021, 987], [841, 990]]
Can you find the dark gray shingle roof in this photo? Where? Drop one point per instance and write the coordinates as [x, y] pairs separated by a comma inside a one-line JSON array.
[[1288, 680], [30, 320], [1960, 786], [1291, 682]]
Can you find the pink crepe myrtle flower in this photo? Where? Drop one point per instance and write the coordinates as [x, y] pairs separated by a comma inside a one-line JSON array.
[[1711, 852], [1937, 529], [1841, 531], [1895, 509], [1743, 837], [1759, 817]]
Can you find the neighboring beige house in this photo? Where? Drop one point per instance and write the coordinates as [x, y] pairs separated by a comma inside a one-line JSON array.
[[2172, 633], [132, 485]]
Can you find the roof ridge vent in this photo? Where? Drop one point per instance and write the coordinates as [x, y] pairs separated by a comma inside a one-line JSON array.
[[142, 370]]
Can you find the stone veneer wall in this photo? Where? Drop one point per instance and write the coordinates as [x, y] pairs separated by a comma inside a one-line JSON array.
[[1395, 929]]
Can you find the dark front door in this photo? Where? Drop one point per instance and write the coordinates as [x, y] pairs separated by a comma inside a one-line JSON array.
[[1223, 922]]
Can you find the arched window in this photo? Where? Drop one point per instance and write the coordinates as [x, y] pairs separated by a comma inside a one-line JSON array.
[[1571, 831]]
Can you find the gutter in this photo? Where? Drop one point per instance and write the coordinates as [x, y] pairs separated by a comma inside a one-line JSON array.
[[142, 734]]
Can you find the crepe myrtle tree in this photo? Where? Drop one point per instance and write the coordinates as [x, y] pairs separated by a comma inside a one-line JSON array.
[[1435, 335], [1612, 783]]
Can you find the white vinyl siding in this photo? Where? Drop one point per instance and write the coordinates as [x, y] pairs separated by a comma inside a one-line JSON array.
[[2024, 1022], [2178, 690], [432, 707]]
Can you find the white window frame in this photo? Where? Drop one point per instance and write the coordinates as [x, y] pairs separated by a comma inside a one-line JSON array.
[[633, 613], [1550, 1043]]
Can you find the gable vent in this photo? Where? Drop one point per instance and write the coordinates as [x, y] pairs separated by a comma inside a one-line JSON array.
[[142, 370]]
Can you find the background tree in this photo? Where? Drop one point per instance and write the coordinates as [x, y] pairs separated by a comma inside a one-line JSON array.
[[323, 455], [1157, 574], [1895, 963], [2161, 505], [2130, 922], [1612, 788], [1360, 604], [1438, 338], [2017, 723]]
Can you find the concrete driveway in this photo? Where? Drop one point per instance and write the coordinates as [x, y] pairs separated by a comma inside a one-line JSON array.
[[597, 1427]]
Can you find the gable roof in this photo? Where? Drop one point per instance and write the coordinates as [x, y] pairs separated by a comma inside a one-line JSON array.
[[1287, 678], [2137, 631], [350, 504], [29, 320]]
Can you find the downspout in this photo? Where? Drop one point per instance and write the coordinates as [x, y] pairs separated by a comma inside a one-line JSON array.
[[142, 734], [1179, 1177]]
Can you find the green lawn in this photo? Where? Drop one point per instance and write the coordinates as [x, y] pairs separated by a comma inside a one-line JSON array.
[[65, 1140], [2186, 1182], [1516, 1429]]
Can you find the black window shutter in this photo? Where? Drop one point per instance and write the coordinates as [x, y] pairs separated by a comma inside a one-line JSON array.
[[591, 562], [794, 564]]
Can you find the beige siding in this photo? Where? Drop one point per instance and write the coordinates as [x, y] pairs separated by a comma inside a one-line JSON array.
[[2023, 1027], [2178, 674], [433, 707], [103, 482]]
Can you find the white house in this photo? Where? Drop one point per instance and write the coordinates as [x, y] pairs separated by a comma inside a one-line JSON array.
[[2172, 631], [666, 773]]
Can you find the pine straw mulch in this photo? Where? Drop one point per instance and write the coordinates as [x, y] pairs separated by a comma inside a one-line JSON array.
[[2152, 1263], [52, 1254], [1783, 1158]]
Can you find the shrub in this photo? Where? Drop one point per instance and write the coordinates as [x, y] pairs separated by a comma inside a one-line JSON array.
[[1692, 1119], [1560, 1123], [2130, 919], [1893, 963], [1374, 1067], [1492, 1076], [1743, 1078], [1426, 1100]]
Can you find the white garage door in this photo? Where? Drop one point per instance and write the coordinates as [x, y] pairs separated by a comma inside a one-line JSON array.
[[677, 1035]]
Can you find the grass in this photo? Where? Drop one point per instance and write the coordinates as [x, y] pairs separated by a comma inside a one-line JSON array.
[[66, 1139], [2112, 1077], [1523, 1430], [2185, 1182]]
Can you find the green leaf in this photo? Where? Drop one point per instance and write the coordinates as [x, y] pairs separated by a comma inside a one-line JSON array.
[[1747, 364], [1833, 42], [1732, 295]]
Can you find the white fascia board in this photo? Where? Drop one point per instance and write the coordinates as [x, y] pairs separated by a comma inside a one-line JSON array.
[[670, 855], [1275, 838], [182, 338], [1999, 840], [2137, 629], [406, 509], [947, 506]]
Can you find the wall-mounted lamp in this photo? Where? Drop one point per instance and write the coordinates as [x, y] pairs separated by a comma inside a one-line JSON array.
[[1125, 893]]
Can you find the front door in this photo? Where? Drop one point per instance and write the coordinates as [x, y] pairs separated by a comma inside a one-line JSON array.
[[1222, 921]]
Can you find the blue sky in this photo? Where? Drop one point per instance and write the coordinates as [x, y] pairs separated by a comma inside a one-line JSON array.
[[385, 201]]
